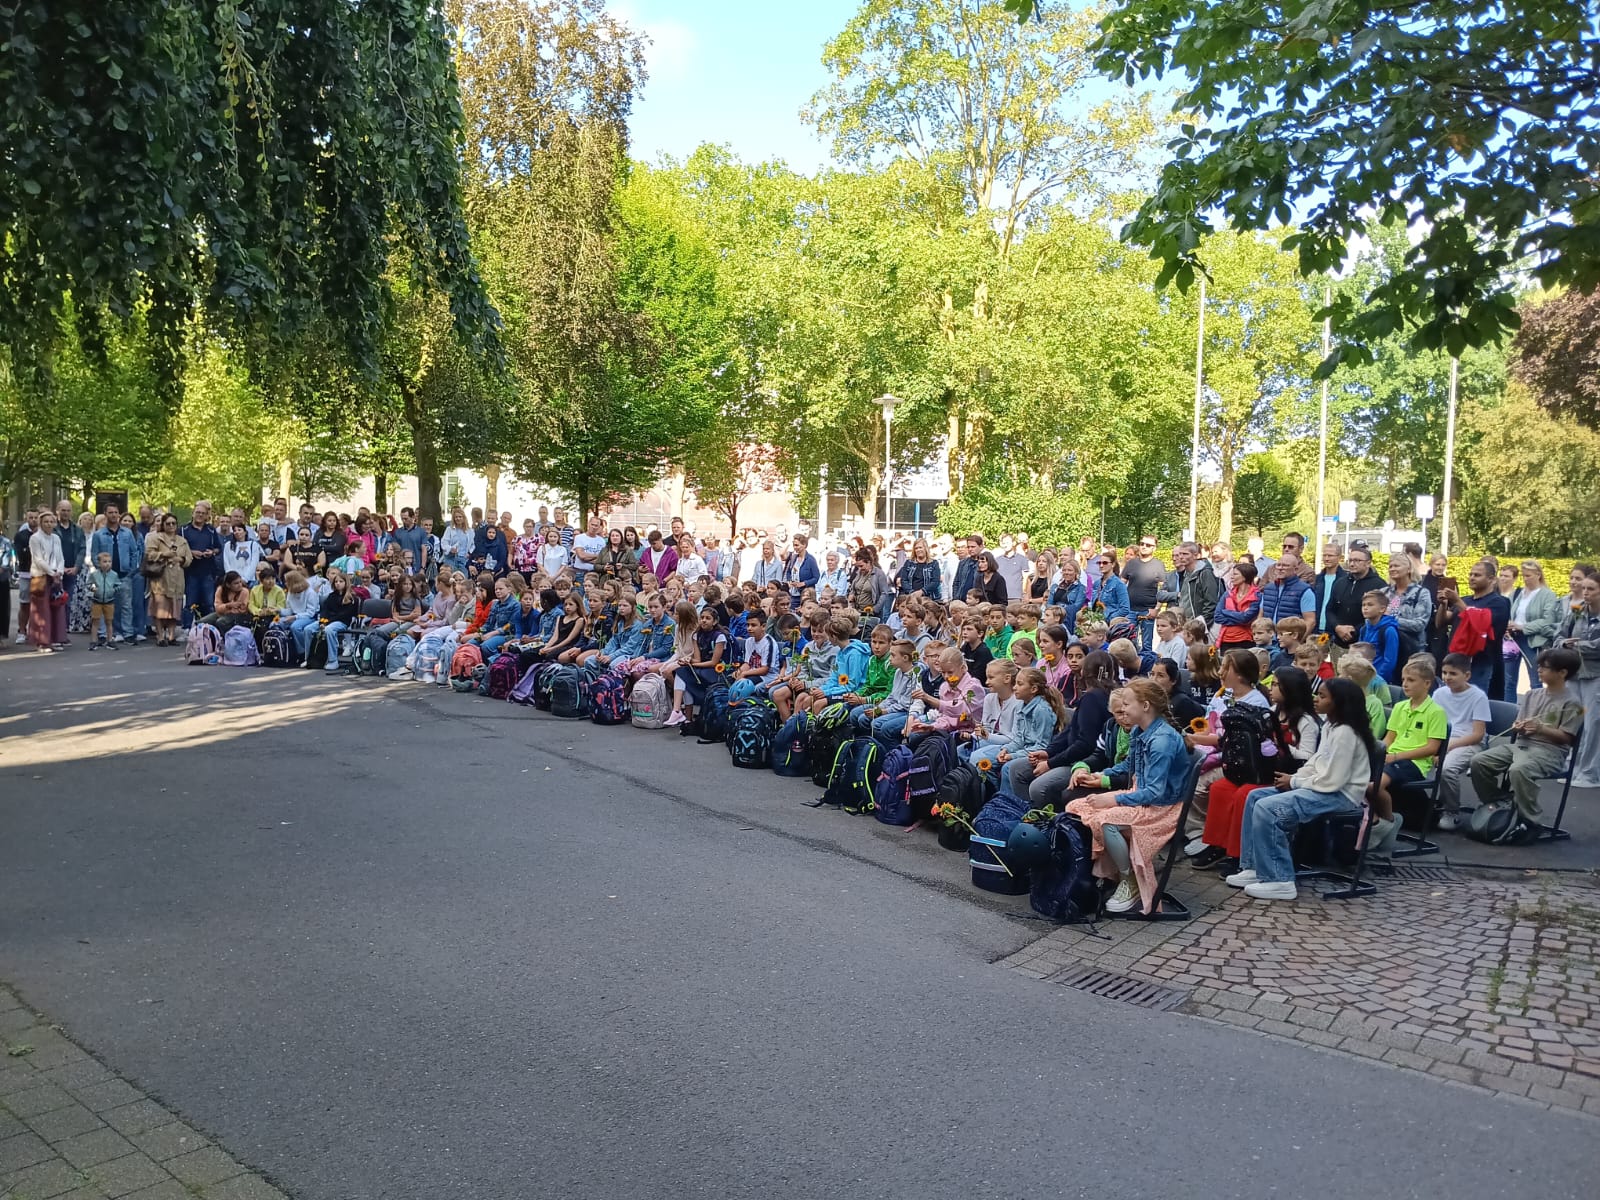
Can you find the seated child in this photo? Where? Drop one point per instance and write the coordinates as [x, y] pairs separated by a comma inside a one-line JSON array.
[[1549, 719], [1170, 642], [958, 706]]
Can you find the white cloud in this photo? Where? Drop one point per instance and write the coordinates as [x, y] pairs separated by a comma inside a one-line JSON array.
[[671, 51]]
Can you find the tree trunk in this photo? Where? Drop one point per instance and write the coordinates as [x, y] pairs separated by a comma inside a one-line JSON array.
[[380, 491], [491, 499], [583, 505], [1225, 506], [954, 464], [430, 480]]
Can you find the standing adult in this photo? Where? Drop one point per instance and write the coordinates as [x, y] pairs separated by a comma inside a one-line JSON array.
[[658, 558], [74, 553], [1488, 664], [204, 569], [411, 536], [1144, 574], [1191, 584], [458, 543], [990, 581], [1105, 587], [1438, 568], [1239, 606], [1285, 594], [1359, 579], [768, 568], [1013, 565], [1408, 602], [967, 569], [123, 547], [586, 548], [166, 555], [241, 553], [800, 569], [47, 584], [949, 553], [1580, 632], [920, 576], [617, 561], [1535, 618], [8, 571], [30, 522], [564, 528], [835, 576], [1068, 591]]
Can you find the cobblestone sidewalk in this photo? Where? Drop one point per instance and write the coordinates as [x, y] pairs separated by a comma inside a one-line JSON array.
[[1492, 982], [70, 1129]]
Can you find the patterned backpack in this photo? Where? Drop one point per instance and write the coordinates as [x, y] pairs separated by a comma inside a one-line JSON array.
[[609, 702], [203, 646], [239, 648]]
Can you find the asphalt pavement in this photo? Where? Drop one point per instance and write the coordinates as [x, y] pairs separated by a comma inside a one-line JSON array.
[[384, 940]]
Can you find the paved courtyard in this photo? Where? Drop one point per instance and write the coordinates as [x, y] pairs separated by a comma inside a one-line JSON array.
[[266, 934]]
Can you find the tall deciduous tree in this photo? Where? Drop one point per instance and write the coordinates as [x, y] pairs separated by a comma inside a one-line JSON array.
[[259, 157], [1474, 123], [1557, 355], [1264, 494], [725, 474]]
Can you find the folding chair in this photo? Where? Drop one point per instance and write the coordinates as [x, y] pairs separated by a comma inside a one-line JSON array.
[[1421, 798], [1329, 827], [1167, 906], [1501, 715], [1554, 832]]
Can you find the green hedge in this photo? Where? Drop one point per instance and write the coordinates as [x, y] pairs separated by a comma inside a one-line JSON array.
[[1050, 518]]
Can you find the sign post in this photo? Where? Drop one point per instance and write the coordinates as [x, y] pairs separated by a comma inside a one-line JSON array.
[[1347, 514], [1425, 514]]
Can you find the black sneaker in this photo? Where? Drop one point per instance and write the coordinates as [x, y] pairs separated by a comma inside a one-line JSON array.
[[1208, 857]]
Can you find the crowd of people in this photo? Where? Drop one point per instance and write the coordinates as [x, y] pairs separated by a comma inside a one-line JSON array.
[[1081, 676]]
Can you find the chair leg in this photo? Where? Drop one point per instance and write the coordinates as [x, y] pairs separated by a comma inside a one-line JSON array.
[[1554, 832]]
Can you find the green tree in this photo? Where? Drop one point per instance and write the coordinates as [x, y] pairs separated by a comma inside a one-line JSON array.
[[1049, 517], [1471, 124], [255, 157], [725, 474], [1264, 494], [1557, 355]]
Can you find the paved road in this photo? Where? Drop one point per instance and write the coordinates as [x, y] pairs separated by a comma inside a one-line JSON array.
[[388, 941]]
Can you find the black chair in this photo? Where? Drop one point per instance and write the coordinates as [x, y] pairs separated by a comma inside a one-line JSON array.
[[1167, 906], [1418, 805], [1396, 695], [1501, 715], [1554, 832], [1329, 834]]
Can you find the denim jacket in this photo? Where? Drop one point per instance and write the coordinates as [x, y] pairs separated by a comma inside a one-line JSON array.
[[658, 637], [626, 642], [1156, 769]]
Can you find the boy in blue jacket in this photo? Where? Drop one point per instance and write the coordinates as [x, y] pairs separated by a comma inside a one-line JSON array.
[[1383, 632]]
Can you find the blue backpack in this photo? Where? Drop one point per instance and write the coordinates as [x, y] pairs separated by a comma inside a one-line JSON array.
[[992, 868], [608, 702], [714, 715], [790, 749], [892, 797], [751, 724], [930, 763], [855, 767], [1064, 887]]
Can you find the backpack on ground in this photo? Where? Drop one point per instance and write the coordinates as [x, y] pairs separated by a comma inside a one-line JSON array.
[[502, 677], [1248, 730], [277, 649], [350, 651], [891, 792], [396, 652], [751, 726], [931, 760], [855, 771], [527, 688], [1500, 825], [829, 730], [317, 654], [714, 714], [962, 787], [608, 700], [992, 867], [240, 650], [650, 703], [372, 654], [569, 692], [790, 755], [203, 646], [465, 660], [1064, 888], [470, 682]]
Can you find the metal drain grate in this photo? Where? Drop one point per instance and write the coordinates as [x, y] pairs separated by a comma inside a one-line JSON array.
[[1421, 874], [1121, 988]]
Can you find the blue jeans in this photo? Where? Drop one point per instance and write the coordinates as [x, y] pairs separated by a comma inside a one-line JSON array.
[[1147, 630], [1270, 820], [141, 608], [333, 629], [197, 593], [886, 730], [1514, 668], [492, 644], [302, 630], [124, 610]]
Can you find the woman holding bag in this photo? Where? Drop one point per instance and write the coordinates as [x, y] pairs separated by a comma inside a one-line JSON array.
[[166, 554], [47, 595]]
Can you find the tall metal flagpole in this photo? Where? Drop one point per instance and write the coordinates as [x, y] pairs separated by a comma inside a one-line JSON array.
[[1449, 458], [1199, 395], [1322, 440]]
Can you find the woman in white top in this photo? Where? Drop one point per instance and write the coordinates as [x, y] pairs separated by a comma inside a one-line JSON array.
[[690, 565], [457, 542], [553, 556], [47, 619]]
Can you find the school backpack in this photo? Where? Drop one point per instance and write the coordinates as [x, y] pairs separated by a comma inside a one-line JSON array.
[[1251, 744], [993, 869], [891, 794], [650, 703], [527, 689], [542, 686], [962, 787], [1500, 825], [372, 654], [714, 715], [502, 677], [1064, 887], [829, 730], [396, 652], [790, 756], [203, 646], [569, 692], [931, 760], [317, 655], [470, 682], [465, 660], [608, 701], [855, 770], [240, 651], [350, 651], [277, 648], [751, 725]]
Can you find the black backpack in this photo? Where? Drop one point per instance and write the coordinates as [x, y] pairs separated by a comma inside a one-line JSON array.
[[569, 693], [855, 771], [317, 655], [751, 726], [1064, 887], [931, 760], [1245, 727], [371, 654], [963, 786], [277, 649], [829, 730]]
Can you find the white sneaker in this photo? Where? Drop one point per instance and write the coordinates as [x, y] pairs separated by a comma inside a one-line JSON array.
[[1272, 891], [1195, 847], [1240, 879], [1125, 897], [402, 673], [22, 639], [1449, 822], [676, 718]]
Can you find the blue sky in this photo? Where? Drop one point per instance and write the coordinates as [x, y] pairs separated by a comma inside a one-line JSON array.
[[734, 72]]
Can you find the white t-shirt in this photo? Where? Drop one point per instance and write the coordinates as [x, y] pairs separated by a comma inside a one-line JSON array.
[[1463, 708], [590, 545], [691, 566], [552, 559]]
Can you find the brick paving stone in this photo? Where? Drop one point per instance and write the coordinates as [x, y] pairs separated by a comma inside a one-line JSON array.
[[169, 1141], [22, 1151], [88, 1149], [10, 1126], [244, 1187], [35, 1100], [103, 1096], [138, 1117], [63, 1123], [203, 1167], [44, 1181], [170, 1189], [127, 1174]]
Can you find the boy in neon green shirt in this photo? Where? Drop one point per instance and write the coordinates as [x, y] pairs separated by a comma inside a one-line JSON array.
[[1417, 728]]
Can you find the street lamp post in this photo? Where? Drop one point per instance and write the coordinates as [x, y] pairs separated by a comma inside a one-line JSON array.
[[1449, 459], [1199, 396], [887, 403]]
